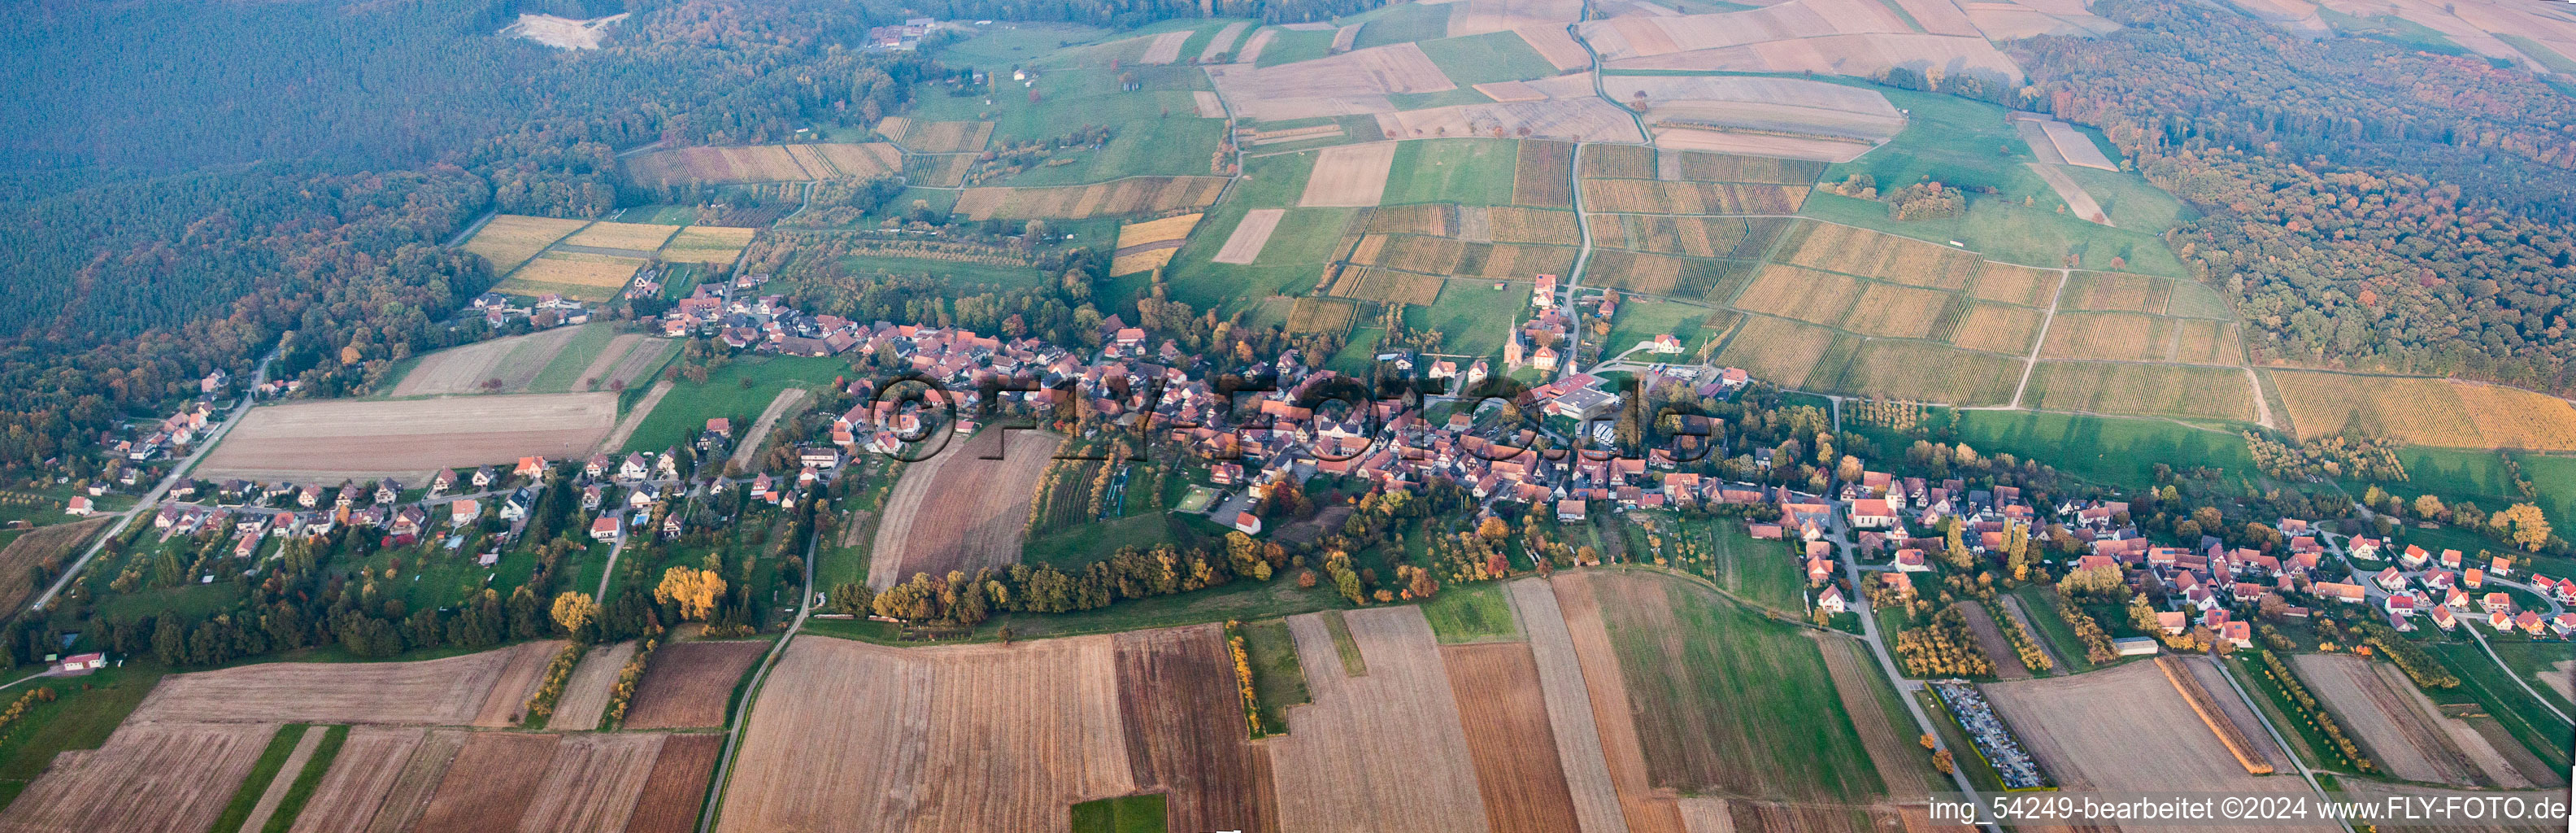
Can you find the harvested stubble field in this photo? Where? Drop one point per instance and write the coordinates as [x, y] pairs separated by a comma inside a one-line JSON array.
[[1543, 176], [1592, 791], [1782, 350], [707, 244], [490, 784], [1374, 284], [2119, 336], [1149, 245], [360, 777], [1411, 253], [1339, 85], [1644, 808], [2397, 733], [1517, 261], [1514, 224], [1693, 236], [577, 275], [1702, 166], [514, 360], [2084, 731], [1872, 254], [677, 787], [2117, 292], [591, 782], [45, 543], [329, 441], [2420, 411], [2014, 284], [1250, 235], [510, 239], [2000, 328], [1618, 162], [625, 361], [638, 237], [687, 685], [1917, 371], [442, 692], [1382, 751], [1433, 219], [960, 511], [148, 776], [1896, 311], [1517, 771], [1583, 119], [1133, 195], [1322, 315], [1349, 175], [1038, 724], [2204, 341], [936, 136], [1663, 275], [1652, 196], [1185, 729], [585, 694], [763, 163], [1165, 48], [946, 170], [1803, 294]]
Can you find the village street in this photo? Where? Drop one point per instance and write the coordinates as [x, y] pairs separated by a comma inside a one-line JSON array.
[[259, 376]]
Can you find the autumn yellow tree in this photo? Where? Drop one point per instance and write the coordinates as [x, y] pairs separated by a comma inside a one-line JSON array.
[[694, 590], [2524, 521], [574, 609]]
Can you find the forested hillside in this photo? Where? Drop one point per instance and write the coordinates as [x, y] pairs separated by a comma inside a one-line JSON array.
[[2370, 206], [181, 183]]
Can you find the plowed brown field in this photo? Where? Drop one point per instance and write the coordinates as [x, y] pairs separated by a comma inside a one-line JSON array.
[[490, 784], [687, 684], [958, 511], [592, 782], [359, 779], [450, 692], [977, 737], [1186, 735], [1382, 751], [677, 789], [147, 778], [1496, 685]]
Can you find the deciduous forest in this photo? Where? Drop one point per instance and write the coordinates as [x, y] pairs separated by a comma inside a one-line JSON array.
[[2370, 205]]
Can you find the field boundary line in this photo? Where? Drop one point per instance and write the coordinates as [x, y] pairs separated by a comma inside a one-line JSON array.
[[759, 679], [2032, 364]]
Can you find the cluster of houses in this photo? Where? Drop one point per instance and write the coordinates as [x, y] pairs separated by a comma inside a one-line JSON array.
[[759, 323], [549, 309], [2444, 589], [253, 512], [905, 36], [177, 430]]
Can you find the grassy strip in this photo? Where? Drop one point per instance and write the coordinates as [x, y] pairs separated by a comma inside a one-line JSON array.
[[1353, 664], [307, 781], [1132, 814], [261, 773], [1277, 680], [2275, 703], [1471, 612], [2042, 607], [541, 705], [2524, 718]]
